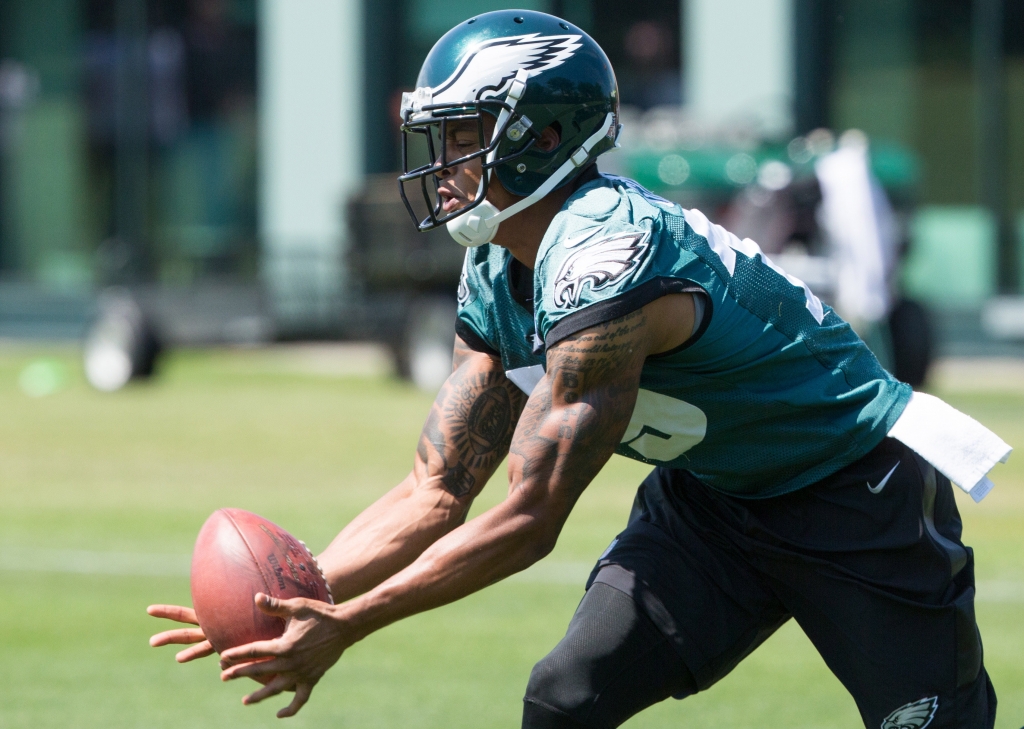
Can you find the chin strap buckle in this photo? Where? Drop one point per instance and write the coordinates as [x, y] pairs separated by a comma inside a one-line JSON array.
[[518, 87]]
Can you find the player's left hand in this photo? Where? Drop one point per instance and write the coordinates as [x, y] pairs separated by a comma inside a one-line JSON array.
[[313, 641]]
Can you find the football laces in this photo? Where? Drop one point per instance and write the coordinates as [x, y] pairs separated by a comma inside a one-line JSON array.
[[330, 595]]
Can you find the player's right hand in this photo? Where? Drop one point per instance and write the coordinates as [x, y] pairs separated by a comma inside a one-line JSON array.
[[184, 636]]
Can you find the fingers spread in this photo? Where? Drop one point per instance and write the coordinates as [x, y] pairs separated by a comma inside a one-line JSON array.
[[173, 612], [182, 635], [279, 684], [266, 667], [200, 650], [302, 692], [259, 649]]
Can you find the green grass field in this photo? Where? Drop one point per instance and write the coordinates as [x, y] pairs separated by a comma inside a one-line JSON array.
[[101, 497]]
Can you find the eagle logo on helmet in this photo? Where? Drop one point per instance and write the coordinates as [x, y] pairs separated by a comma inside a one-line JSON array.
[[600, 263], [916, 715], [487, 69]]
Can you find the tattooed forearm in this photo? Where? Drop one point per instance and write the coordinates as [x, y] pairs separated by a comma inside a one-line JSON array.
[[470, 425], [458, 481]]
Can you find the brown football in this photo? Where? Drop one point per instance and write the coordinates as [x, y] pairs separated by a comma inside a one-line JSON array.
[[238, 554]]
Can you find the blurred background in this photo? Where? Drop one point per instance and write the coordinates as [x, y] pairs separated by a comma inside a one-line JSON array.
[[204, 190], [222, 170]]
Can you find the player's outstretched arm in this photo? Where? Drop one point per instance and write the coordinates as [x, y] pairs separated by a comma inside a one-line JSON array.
[[466, 436], [571, 425]]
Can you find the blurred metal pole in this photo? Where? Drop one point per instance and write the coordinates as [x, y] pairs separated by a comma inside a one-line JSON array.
[[813, 26], [382, 21], [131, 170], [3, 174], [990, 95]]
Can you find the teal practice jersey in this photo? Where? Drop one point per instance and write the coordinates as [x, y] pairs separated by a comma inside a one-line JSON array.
[[772, 392]]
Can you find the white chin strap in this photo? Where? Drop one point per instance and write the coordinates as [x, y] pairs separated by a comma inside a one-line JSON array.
[[480, 225]]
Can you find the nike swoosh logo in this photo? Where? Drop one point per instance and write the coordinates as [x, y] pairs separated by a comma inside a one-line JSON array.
[[884, 481], [582, 237]]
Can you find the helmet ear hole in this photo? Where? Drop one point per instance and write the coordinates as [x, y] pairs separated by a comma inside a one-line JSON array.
[[550, 138]]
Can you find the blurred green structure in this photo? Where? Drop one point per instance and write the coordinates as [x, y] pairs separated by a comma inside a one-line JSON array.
[[177, 145], [954, 262]]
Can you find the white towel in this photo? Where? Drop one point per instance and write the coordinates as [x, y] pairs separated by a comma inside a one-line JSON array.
[[526, 378], [957, 445]]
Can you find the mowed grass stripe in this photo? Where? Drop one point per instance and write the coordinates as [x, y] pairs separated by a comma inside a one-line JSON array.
[[126, 564], [84, 562]]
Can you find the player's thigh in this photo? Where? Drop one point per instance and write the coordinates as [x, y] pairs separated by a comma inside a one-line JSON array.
[[696, 585], [612, 663], [669, 611], [898, 658], [892, 614]]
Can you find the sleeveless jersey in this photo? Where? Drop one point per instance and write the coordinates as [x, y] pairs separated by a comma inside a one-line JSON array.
[[772, 392]]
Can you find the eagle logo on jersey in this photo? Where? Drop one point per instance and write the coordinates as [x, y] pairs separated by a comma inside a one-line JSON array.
[[487, 69], [601, 263], [463, 292], [916, 715]]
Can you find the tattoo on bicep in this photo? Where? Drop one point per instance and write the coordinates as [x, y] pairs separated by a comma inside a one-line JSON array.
[[592, 380], [570, 381], [479, 416], [470, 427], [433, 434]]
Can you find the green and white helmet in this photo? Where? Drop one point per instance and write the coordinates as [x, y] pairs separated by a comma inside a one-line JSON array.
[[528, 70]]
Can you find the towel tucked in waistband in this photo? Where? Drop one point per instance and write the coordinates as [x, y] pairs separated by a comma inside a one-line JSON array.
[[957, 445]]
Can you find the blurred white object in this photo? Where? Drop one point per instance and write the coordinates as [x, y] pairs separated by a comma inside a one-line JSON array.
[[121, 345], [1003, 317], [774, 175], [19, 84], [858, 220], [19, 88], [107, 366], [430, 335], [818, 272]]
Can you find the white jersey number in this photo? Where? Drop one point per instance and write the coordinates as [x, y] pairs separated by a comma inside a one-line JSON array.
[[663, 428]]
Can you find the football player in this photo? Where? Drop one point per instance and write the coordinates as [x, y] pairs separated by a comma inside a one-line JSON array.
[[793, 476]]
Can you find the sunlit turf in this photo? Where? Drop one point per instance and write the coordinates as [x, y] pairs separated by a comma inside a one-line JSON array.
[[138, 471]]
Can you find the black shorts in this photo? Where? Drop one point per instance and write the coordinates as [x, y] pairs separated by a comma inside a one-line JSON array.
[[874, 573]]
